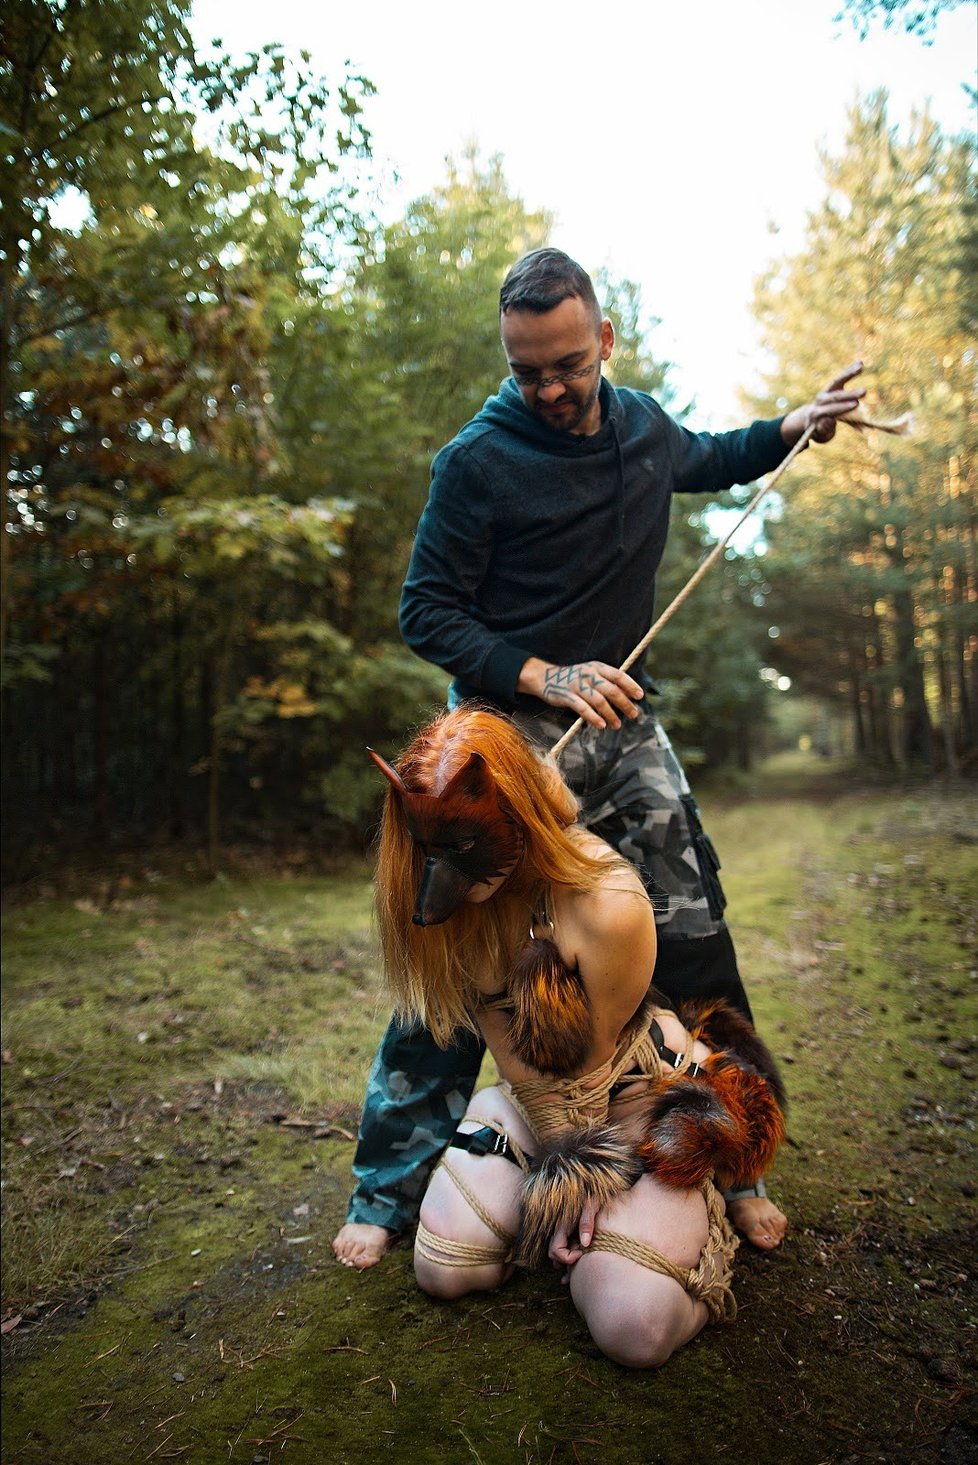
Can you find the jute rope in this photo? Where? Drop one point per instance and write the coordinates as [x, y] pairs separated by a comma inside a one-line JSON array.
[[447, 1253], [549, 1110], [444, 1252], [547, 1113], [710, 1280]]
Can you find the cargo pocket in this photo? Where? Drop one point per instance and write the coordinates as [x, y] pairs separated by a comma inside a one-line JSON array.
[[706, 859]]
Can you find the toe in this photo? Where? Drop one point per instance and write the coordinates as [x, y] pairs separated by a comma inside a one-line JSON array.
[[760, 1222], [761, 1236]]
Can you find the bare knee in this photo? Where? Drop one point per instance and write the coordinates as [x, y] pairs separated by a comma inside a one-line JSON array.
[[446, 1284], [646, 1342], [443, 1283], [639, 1330]]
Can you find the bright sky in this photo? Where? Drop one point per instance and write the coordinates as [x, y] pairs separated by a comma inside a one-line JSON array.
[[669, 141]]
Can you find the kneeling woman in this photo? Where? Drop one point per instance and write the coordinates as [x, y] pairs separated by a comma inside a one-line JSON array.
[[600, 1146]]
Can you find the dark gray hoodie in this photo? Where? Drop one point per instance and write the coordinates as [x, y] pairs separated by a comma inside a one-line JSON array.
[[537, 542]]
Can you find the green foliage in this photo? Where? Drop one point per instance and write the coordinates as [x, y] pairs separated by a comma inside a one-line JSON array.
[[873, 559], [222, 389], [418, 326], [708, 658], [917, 17], [155, 521], [633, 364]]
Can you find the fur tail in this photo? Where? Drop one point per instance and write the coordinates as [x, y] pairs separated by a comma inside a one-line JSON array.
[[722, 1026], [592, 1164], [550, 1028], [728, 1122]]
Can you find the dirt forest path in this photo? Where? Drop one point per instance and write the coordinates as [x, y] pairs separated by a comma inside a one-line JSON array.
[[182, 1069]]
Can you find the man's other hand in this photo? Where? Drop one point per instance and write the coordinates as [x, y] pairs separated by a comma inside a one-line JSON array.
[[825, 411]]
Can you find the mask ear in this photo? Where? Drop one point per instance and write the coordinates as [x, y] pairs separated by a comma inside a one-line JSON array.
[[391, 774], [472, 781]]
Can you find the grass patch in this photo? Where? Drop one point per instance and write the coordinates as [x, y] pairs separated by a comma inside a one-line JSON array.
[[166, 1226]]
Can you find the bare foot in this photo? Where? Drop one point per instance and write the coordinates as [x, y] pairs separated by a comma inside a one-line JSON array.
[[759, 1220], [361, 1246]]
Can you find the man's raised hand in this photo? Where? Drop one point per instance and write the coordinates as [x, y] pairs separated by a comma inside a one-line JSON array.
[[835, 402]]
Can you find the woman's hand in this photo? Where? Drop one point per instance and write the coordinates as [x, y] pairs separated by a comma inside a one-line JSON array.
[[567, 1247]]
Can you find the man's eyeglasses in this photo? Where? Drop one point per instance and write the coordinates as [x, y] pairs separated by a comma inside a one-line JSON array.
[[533, 378]]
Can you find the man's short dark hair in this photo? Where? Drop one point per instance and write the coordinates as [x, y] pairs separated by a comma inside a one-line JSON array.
[[542, 279]]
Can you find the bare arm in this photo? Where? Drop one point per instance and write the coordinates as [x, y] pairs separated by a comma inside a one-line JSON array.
[[614, 930]]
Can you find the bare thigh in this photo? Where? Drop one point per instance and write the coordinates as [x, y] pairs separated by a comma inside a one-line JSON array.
[[495, 1182], [638, 1316]]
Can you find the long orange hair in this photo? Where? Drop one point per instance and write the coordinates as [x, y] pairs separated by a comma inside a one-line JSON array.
[[434, 971]]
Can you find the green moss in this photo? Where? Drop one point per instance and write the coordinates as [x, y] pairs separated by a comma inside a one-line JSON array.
[[191, 1235]]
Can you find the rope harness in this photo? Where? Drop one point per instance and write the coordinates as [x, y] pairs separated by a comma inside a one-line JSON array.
[[710, 1281], [548, 1112]]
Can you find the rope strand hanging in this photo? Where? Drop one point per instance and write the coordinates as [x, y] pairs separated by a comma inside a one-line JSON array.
[[900, 428]]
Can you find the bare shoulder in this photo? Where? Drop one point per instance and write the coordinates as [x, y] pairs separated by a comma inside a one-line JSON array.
[[617, 905], [610, 931], [617, 911]]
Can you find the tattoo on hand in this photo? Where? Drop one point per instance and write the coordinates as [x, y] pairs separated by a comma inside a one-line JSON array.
[[561, 682]]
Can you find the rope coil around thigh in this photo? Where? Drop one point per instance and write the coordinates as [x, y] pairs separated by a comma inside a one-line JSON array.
[[447, 1253], [709, 1281]]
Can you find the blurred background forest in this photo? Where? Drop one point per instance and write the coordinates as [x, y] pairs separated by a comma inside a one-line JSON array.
[[223, 383]]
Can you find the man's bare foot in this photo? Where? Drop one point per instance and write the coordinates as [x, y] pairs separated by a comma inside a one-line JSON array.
[[361, 1246], [759, 1220]]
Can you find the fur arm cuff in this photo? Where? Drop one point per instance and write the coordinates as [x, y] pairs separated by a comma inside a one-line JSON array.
[[587, 1165], [728, 1121]]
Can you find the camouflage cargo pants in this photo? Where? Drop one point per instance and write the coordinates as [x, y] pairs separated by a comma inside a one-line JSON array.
[[635, 795]]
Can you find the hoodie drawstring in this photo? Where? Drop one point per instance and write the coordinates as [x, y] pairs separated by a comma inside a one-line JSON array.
[[620, 486]]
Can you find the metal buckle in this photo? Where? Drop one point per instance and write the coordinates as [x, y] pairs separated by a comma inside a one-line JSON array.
[[500, 1145]]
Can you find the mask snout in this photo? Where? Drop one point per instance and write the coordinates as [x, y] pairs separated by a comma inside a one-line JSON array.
[[441, 892]]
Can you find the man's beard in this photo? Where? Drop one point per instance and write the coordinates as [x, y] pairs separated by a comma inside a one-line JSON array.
[[568, 421]]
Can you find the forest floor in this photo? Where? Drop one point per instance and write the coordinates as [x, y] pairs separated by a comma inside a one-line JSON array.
[[183, 1066]]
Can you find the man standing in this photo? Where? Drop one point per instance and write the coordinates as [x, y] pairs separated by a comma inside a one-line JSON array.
[[531, 579]]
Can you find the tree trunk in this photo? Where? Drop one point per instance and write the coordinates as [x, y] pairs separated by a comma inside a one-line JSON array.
[[743, 745], [878, 704], [916, 735], [100, 739], [8, 267], [966, 707], [220, 679], [176, 751], [947, 715], [856, 659]]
